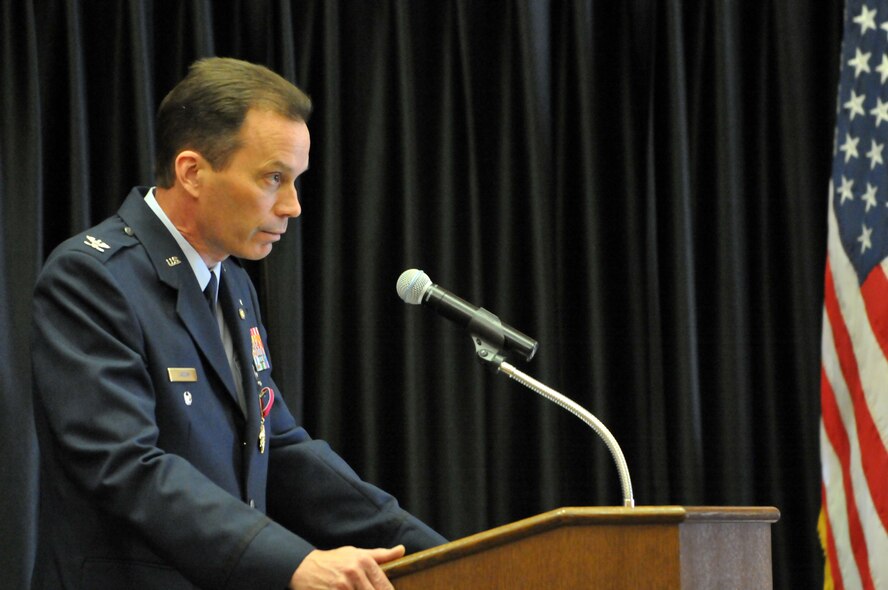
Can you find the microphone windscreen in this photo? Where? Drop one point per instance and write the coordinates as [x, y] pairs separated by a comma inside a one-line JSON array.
[[412, 285]]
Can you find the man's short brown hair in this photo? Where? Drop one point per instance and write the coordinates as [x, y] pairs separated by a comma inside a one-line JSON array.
[[205, 111]]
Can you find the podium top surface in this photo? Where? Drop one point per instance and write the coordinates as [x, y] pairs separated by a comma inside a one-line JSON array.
[[582, 516]]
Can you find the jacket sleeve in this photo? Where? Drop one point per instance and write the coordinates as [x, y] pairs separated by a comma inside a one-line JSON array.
[[313, 491]]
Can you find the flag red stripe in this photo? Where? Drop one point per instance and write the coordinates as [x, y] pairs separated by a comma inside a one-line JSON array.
[[875, 298], [838, 439], [838, 583], [873, 455]]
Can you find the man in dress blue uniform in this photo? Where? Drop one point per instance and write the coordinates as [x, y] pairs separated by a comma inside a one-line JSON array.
[[168, 458]]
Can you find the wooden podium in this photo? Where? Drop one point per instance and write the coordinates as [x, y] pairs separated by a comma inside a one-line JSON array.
[[604, 547]]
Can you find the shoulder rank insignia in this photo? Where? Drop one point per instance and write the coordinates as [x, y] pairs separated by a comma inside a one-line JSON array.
[[96, 243]]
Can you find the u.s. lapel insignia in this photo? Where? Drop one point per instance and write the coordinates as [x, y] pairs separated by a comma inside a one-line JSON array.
[[173, 261], [96, 243], [260, 361]]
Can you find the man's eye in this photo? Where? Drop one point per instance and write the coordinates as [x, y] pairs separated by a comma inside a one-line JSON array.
[[276, 178]]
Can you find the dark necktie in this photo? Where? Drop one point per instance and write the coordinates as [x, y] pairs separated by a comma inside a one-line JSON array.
[[210, 292], [236, 373]]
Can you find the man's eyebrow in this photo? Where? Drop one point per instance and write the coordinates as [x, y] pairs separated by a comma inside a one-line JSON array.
[[279, 165]]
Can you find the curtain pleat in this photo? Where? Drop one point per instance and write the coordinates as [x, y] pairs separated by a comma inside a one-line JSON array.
[[640, 186], [21, 119]]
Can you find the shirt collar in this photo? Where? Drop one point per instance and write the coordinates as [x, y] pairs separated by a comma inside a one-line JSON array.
[[198, 266]]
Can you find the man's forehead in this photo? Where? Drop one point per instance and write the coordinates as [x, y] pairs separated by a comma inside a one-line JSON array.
[[278, 138]]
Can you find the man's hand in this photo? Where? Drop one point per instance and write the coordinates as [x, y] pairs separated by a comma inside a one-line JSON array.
[[346, 568]]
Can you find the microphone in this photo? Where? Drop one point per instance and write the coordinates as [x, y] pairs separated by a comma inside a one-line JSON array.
[[415, 287]]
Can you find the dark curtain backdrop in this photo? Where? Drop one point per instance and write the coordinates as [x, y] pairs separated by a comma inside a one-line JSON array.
[[639, 185]]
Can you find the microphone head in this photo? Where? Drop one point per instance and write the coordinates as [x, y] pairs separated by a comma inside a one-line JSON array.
[[412, 285]]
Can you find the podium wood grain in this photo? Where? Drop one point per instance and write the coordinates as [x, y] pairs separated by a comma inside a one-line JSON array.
[[604, 547]]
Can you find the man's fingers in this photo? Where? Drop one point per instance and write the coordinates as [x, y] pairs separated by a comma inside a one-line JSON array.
[[376, 579], [370, 572], [383, 555], [346, 568]]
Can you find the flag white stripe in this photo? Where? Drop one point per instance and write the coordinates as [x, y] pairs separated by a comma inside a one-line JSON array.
[[831, 471], [871, 362], [873, 533]]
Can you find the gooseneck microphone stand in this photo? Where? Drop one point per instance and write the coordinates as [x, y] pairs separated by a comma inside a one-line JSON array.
[[492, 355]]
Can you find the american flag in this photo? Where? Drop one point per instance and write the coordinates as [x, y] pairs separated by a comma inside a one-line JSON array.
[[854, 370]]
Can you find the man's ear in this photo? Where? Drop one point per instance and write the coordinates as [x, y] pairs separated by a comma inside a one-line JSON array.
[[189, 165]]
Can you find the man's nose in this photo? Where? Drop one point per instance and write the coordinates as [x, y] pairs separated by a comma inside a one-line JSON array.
[[288, 203]]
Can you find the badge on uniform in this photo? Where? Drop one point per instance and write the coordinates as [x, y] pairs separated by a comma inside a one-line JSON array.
[[260, 361], [182, 374]]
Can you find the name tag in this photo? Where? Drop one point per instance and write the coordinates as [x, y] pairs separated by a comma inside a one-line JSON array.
[[182, 374]]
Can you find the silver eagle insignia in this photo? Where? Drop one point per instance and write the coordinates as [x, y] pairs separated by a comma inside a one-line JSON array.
[[96, 243]]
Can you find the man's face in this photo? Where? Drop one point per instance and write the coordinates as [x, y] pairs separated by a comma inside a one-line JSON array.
[[243, 210]]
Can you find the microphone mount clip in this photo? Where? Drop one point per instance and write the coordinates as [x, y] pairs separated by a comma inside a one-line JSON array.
[[489, 339]]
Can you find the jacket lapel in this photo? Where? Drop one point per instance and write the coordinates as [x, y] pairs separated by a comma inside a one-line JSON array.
[[238, 317], [173, 269], [195, 314]]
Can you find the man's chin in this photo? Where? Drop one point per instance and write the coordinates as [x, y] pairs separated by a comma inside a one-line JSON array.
[[256, 253]]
